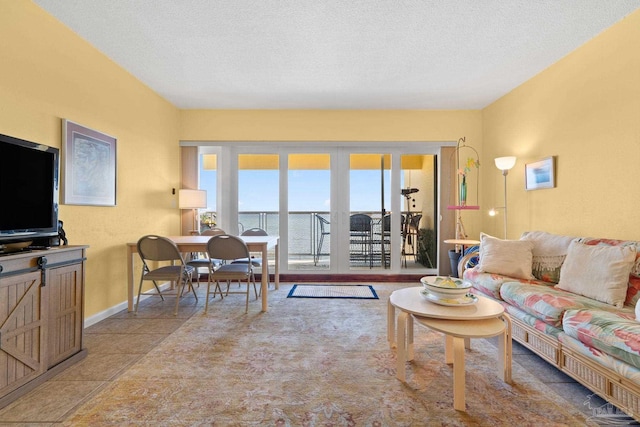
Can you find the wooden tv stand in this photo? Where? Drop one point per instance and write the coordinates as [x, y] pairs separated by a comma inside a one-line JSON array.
[[41, 317]]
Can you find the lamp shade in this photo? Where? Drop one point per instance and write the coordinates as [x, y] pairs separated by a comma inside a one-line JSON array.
[[505, 163], [192, 199]]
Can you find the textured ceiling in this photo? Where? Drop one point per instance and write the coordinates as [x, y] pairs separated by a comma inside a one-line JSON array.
[[336, 54]]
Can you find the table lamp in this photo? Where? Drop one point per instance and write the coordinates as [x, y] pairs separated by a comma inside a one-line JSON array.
[[193, 199]]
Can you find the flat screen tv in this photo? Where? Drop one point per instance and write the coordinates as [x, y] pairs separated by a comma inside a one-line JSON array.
[[28, 191]]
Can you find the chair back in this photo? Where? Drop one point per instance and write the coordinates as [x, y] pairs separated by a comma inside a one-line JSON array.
[[213, 232], [158, 248], [254, 232], [360, 222], [323, 222], [415, 222], [386, 223], [227, 247]]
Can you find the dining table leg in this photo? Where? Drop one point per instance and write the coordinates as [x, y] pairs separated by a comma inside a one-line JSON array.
[[264, 285], [130, 279], [277, 269], [391, 325]]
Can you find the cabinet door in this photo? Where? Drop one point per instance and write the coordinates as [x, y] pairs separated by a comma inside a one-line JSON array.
[[21, 330], [64, 286]]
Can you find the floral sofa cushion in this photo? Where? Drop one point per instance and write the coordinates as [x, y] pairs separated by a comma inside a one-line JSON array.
[[490, 283], [547, 304], [615, 333], [532, 321]]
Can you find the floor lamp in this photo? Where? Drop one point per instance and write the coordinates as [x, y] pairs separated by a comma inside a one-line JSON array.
[[504, 164], [193, 199]]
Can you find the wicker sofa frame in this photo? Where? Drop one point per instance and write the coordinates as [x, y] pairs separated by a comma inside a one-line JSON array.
[[605, 382]]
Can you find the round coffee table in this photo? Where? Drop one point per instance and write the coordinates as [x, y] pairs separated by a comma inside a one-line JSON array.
[[460, 323]]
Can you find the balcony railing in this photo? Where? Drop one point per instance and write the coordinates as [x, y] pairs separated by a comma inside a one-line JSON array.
[[309, 239]]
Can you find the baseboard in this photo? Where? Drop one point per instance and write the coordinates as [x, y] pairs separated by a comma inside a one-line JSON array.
[[92, 320]]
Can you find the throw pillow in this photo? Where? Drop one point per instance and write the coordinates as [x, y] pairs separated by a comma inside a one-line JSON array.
[[638, 311], [548, 243], [636, 266], [547, 268], [506, 257], [633, 291], [549, 252], [599, 272]]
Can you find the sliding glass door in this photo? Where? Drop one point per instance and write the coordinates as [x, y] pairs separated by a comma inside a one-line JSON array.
[[309, 211], [353, 209], [258, 192], [369, 210]]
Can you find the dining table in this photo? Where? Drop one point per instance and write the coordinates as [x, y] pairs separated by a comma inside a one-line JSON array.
[[187, 244]]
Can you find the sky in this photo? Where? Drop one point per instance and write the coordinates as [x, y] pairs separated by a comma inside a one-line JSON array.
[[309, 190]]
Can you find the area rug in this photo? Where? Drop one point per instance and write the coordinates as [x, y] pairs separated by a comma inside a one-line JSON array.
[[333, 291], [311, 364]]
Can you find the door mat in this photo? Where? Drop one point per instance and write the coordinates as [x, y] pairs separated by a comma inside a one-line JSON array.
[[333, 291]]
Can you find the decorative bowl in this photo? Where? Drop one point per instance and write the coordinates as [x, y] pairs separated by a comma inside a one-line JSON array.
[[15, 247], [445, 287]]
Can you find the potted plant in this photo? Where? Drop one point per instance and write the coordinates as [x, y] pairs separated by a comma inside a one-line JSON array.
[[427, 247]]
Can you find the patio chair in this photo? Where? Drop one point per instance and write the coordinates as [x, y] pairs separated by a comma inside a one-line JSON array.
[[361, 239], [323, 230]]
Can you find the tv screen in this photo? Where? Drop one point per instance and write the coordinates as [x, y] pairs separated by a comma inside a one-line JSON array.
[[28, 190]]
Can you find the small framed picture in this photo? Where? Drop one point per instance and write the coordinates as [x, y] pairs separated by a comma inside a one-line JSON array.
[[89, 166], [540, 174]]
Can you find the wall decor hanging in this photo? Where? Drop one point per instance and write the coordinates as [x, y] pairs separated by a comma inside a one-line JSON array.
[[540, 174], [88, 167]]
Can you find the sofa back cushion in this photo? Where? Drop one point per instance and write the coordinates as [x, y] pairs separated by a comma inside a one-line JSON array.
[[549, 251], [600, 272], [506, 257]]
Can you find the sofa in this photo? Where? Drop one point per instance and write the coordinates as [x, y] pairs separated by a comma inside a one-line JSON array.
[[572, 301]]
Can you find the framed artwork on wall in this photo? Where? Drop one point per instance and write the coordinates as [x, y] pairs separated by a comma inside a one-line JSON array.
[[540, 174], [88, 166]]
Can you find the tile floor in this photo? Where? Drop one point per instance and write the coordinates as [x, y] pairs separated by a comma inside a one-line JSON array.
[[117, 342]]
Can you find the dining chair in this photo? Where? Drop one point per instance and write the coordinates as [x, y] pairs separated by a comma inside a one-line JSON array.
[[202, 260], [255, 261], [152, 248], [227, 248]]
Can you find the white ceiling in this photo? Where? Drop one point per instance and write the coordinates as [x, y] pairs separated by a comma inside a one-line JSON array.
[[336, 54]]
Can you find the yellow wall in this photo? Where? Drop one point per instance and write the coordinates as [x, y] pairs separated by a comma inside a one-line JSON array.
[[585, 110], [324, 125], [345, 125], [47, 74]]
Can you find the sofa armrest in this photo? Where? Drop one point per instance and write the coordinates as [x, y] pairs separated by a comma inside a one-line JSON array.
[[464, 262]]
